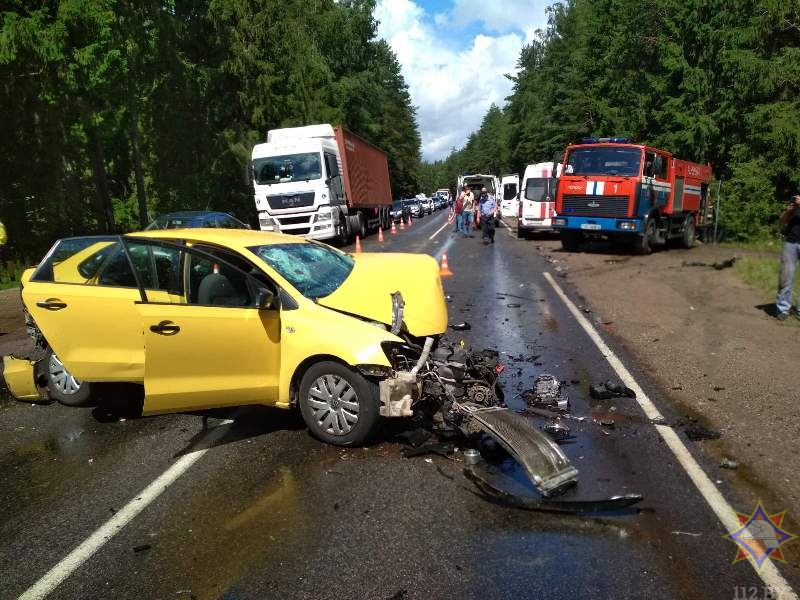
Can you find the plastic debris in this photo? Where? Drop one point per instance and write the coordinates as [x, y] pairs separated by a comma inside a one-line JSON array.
[[464, 326], [697, 433], [610, 389], [728, 463]]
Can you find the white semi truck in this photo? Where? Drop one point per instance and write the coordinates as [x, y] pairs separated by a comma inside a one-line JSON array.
[[322, 182]]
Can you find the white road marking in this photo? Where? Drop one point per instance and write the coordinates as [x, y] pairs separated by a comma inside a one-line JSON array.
[[125, 515], [438, 231], [725, 513]]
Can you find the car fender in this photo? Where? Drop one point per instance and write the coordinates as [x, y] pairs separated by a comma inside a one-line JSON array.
[[326, 333]]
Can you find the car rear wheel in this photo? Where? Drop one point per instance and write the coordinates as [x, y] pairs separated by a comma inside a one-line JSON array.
[[62, 385], [338, 405]]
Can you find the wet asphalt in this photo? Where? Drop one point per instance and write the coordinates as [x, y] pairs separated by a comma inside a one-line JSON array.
[[268, 512]]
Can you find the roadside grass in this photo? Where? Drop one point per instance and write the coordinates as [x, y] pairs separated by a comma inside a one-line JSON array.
[[760, 272], [6, 271]]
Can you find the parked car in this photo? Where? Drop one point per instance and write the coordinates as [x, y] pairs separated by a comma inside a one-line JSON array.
[[220, 317], [415, 207], [400, 211], [196, 218], [426, 204]]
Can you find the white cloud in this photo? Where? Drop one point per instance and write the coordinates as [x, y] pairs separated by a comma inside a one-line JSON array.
[[452, 83]]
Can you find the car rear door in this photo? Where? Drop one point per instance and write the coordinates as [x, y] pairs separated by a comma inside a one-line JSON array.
[[83, 298], [215, 347]]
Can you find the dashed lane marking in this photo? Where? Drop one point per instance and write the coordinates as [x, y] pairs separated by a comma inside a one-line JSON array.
[[769, 572], [438, 231], [125, 515]]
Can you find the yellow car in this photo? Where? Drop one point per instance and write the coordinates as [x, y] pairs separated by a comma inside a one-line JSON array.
[[206, 318]]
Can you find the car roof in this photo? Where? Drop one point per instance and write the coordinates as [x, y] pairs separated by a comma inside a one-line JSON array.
[[232, 238]]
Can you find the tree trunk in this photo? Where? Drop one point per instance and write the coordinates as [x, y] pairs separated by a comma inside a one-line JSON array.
[[102, 197], [137, 163]]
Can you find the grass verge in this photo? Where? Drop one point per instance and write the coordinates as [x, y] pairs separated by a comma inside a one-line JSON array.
[[761, 272]]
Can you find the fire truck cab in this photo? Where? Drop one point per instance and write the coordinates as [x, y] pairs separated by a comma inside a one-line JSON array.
[[630, 193]]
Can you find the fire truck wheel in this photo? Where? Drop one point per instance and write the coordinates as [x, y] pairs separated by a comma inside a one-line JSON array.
[[570, 241], [689, 233], [644, 243]]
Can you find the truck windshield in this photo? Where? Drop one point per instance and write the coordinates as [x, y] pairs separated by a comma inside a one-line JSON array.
[[538, 189], [289, 167], [313, 269], [604, 161]]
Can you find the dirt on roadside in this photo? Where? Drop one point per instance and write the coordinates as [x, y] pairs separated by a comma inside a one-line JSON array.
[[709, 343]]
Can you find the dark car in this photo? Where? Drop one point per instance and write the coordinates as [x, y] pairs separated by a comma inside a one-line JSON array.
[[400, 212], [417, 211], [196, 219]]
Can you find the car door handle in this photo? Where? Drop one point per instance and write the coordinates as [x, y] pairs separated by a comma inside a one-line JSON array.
[[165, 328], [51, 304]]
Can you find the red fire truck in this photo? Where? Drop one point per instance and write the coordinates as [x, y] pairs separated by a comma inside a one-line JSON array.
[[631, 193]]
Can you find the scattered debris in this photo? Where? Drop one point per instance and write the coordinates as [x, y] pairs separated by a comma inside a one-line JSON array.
[[724, 264], [548, 505], [687, 533], [557, 430], [472, 456], [719, 389], [728, 463], [464, 326], [141, 548], [443, 474], [610, 389], [442, 449], [513, 305], [698, 433], [546, 391]]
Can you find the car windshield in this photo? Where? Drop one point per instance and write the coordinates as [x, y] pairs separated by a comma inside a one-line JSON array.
[[604, 161], [288, 167], [538, 188], [315, 270], [397, 205]]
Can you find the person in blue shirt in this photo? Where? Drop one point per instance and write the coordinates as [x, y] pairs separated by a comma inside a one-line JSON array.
[[487, 212]]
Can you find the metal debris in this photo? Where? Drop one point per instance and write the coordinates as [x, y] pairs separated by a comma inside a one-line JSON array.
[[728, 463], [464, 326]]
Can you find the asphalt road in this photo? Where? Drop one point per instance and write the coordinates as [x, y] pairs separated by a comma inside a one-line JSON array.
[[268, 512]]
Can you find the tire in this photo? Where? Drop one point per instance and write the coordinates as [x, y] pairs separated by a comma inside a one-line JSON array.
[[330, 388], [362, 226], [689, 233], [570, 241], [342, 236], [62, 385], [643, 244]]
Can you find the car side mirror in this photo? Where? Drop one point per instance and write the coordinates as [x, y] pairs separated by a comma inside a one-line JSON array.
[[265, 299]]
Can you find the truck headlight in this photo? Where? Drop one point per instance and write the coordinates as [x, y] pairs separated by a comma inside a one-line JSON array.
[[627, 225], [324, 216], [561, 222], [264, 220]]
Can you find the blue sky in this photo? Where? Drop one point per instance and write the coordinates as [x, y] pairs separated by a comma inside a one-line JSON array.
[[454, 56]]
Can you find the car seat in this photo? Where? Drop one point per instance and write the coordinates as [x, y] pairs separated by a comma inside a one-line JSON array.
[[217, 290]]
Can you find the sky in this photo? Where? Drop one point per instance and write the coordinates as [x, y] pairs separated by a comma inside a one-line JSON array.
[[455, 55]]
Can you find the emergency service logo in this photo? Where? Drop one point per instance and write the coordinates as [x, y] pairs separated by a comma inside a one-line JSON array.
[[760, 536]]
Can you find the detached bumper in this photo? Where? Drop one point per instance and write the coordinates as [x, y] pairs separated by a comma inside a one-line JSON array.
[[20, 378]]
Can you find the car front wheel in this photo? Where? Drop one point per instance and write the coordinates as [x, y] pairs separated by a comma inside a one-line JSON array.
[[62, 385], [339, 405]]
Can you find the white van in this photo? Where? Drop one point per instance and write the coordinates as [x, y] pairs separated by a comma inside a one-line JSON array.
[[509, 203], [537, 199]]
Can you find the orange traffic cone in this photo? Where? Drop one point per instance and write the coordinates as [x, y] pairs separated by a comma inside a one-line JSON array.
[[380, 234], [358, 244], [410, 220], [394, 229], [402, 225], [444, 270]]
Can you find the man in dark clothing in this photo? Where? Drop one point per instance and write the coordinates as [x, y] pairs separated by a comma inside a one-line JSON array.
[[789, 258], [487, 210]]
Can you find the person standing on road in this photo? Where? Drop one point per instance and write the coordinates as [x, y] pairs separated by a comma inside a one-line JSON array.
[[791, 254], [468, 212], [487, 211], [458, 213]]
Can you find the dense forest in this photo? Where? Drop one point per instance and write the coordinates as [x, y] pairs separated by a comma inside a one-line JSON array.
[[117, 110], [710, 80]]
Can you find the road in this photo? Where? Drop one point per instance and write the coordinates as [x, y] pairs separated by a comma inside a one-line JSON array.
[[261, 510]]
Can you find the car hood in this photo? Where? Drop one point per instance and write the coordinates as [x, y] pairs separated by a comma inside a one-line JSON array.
[[367, 291]]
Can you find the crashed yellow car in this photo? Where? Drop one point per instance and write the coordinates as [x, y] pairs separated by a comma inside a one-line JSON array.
[[207, 318]]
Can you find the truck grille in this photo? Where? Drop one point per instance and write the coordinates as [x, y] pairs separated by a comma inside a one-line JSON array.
[[291, 200], [594, 206], [293, 220]]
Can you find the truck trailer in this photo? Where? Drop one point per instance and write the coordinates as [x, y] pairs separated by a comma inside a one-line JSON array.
[[321, 182], [630, 193]]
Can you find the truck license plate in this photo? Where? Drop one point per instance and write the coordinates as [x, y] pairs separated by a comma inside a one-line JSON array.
[[593, 226]]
